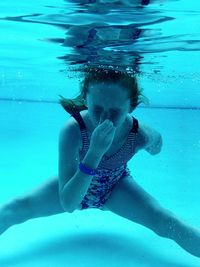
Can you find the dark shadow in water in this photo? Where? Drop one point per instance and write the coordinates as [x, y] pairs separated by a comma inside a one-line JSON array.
[[87, 245]]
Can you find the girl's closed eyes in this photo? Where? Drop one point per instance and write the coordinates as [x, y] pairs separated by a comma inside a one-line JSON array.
[[113, 114]]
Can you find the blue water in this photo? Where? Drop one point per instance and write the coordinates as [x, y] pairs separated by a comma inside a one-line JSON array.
[[41, 46]]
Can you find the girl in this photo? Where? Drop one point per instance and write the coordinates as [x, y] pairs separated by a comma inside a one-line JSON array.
[[94, 147]]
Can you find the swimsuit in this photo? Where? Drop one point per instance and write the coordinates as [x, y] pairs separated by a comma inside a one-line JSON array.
[[110, 170]]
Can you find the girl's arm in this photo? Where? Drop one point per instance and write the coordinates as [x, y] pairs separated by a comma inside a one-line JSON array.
[[73, 183], [153, 139]]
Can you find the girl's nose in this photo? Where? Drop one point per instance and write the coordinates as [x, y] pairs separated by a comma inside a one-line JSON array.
[[103, 117]]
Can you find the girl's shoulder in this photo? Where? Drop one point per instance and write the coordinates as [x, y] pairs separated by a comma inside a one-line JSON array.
[[72, 126]]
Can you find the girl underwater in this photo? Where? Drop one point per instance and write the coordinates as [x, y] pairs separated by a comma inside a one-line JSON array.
[[95, 145]]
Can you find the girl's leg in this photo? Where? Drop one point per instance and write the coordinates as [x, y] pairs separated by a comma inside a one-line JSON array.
[[40, 202], [130, 201]]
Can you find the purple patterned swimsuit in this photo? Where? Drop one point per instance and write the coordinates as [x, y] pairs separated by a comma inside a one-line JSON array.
[[110, 170]]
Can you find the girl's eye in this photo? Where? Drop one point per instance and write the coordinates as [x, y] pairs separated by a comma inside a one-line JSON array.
[[112, 114]]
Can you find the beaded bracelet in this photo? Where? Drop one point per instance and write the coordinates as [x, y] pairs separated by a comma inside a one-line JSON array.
[[86, 170]]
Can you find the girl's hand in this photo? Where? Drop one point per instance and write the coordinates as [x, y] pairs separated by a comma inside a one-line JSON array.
[[102, 137]]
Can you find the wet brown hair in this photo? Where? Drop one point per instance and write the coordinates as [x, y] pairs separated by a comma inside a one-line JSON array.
[[94, 75]]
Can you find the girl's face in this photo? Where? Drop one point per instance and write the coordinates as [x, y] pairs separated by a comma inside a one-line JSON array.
[[107, 101]]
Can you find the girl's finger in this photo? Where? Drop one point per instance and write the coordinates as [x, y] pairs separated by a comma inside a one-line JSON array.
[[109, 129], [105, 123]]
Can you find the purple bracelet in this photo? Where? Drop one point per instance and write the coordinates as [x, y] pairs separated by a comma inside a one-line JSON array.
[[86, 170]]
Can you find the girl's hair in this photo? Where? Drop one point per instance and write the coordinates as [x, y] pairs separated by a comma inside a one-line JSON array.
[[95, 75]]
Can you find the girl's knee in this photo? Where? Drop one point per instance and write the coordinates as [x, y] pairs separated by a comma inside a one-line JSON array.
[[165, 223], [19, 210], [18, 203], [23, 205]]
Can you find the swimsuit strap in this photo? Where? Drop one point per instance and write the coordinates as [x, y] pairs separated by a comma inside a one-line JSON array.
[[77, 116], [135, 125]]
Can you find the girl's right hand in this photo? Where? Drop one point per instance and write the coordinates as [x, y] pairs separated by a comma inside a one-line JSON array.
[[102, 137]]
